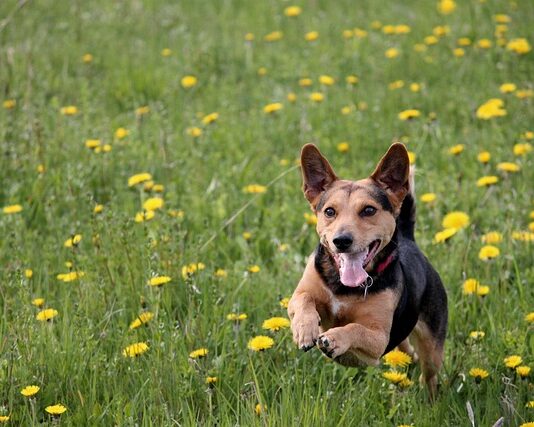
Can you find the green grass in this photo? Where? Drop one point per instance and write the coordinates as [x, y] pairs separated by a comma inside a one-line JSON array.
[[77, 358]]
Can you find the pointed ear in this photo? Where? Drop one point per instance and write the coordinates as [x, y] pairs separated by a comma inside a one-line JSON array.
[[317, 174], [393, 172]]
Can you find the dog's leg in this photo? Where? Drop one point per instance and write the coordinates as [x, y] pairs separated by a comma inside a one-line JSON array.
[[430, 351], [366, 344], [407, 347], [305, 320]]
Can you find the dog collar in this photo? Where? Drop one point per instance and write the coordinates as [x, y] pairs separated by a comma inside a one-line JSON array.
[[384, 264]]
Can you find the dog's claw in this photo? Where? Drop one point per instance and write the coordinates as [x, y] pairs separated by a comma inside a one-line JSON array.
[[323, 342]]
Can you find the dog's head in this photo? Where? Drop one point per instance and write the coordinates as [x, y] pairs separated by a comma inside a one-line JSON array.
[[355, 219]]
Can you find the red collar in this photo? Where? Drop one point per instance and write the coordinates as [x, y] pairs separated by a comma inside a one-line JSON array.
[[384, 264]]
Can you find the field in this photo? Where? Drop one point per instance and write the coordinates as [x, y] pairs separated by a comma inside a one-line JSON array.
[[152, 218]]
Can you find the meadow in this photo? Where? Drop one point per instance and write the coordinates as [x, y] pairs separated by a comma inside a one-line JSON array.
[[152, 219]]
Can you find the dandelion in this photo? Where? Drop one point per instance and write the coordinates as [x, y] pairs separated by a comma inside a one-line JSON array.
[[456, 149], [38, 302], [190, 269], [194, 131], [456, 219], [524, 93], [292, 11], [508, 167], [397, 358], [444, 235], [326, 80], [513, 361], [484, 43], [57, 409], [291, 97], [199, 353], [311, 36], [415, 87], [135, 349], [507, 87], [45, 315], [255, 189], [210, 118], [254, 269], [9, 104], [529, 317], [221, 273], [446, 7], [273, 36], [260, 343], [351, 80], [247, 235], [139, 178], [478, 374], [71, 276], [305, 82], [477, 335], [152, 204], [391, 53], [188, 81], [249, 37], [4, 418], [428, 197], [69, 110], [236, 317], [488, 252], [343, 147], [523, 236], [284, 302], [523, 371], [530, 404], [470, 286], [486, 181], [121, 133], [211, 380], [143, 318], [30, 390], [492, 237], [529, 424], [409, 114], [359, 33], [397, 84], [144, 216], [521, 46], [11, 209], [420, 47], [491, 108], [272, 108], [73, 241], [316, 97], [159, 280], [522, 149], [260, 409], [458, 52], [394, 376], [87, 58], [276, 323]]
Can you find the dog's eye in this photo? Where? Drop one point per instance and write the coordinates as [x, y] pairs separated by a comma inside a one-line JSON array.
[[368, 211], [329, 212]]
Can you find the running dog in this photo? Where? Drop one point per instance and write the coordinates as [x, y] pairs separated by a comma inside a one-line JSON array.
[[367, 286]]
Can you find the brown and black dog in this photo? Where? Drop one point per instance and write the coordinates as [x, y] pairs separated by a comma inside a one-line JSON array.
[[367, 286]]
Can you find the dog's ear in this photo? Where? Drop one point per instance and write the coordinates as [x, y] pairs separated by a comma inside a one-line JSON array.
[[392, 173], [317, 174]]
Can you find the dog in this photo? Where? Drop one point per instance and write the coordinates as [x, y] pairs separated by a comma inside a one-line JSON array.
[[367, 288]]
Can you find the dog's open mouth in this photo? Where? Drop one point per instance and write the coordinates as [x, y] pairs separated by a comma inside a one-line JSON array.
[[352, 265]]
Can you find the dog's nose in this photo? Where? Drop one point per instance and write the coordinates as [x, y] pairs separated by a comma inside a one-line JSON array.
[[343, 241]]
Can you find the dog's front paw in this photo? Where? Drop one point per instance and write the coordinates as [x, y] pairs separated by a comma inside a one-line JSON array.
[[305, 332], [332, 343]]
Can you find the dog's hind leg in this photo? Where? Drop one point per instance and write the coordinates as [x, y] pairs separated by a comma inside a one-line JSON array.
[[407, 347], [430, 351]]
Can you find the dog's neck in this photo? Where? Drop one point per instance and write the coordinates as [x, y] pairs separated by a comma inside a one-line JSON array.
[[329, 272]]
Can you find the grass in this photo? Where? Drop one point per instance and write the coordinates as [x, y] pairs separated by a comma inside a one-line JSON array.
[[77, 359]]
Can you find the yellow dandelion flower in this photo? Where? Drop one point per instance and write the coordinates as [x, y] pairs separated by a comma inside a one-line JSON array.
[[394, 376], [530, 404], [491, 108], [30, 390], [188, 81], [291, 97], [260, 409], [11, 209], [135, 349], [311, 36], [292, 11], [284, 302], [326, 80], [524, 93], [4, 418], [523, 236], [166, 52], [152, 204], [488, 252], [402, 29], [311, 219], [456, 149], [478, 374], [464, 41], [143, 318], [144, 216], [121, 133], [346, 110], [458, 52], [397, 358], [397, 84], [87, 58], [446, 7], [38, 302], [484, 156], [431, 40], [420, 47], [529, 317], [513, 361], [247, 235], [428, 197], [57, 409], [444, 235], [272, 108], [9, 104], [98, 208], [391, 53], [260, 343], [199, 353], [507, 87], [45, 315], [470, 286], [415, 87], [529, 424], [210, 118], [254, 269], [528, 135], [486, 181], [441, 30], [71, 276], [484, 43], [273, 36], [492, 237], [316, 97], [521, 46], [343, 147], [141, 111], [236, 317], [211, 380], [190, 269], [194, 131], [508, 167], [159, 280], [249, 37], [92, 143], [69, 110], [477, 335], [305, 82], [255, 189], [409, 114], [456, 219], [276, 323], [139, 178], [220, 272], [502, 18], [347, 34], [483, 290], [28, 273], [351, 80], [522, 149], [73, 241], [523, 371]]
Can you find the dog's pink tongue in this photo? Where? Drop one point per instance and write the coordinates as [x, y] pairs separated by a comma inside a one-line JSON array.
[[351, 269]]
